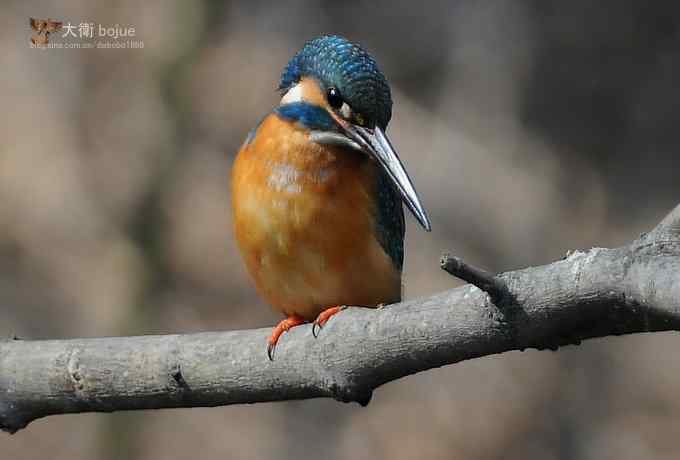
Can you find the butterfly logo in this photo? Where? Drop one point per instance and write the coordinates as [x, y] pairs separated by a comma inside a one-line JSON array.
[[43, 27]]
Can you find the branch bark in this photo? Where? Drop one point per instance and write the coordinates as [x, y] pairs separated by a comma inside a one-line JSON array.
[[596, 293]]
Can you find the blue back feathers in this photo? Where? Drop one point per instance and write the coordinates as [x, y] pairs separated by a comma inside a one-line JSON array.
[[334, 61], [389, 219]]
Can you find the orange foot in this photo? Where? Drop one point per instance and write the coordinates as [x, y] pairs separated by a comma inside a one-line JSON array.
[[284, 326], [323, 318]]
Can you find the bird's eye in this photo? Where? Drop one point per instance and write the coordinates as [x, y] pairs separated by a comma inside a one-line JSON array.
[[334, 98]]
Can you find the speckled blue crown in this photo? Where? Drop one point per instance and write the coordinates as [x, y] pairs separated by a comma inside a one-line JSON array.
[[334, 61]]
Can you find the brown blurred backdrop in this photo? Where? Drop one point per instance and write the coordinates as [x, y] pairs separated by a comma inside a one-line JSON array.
[[529, 127]]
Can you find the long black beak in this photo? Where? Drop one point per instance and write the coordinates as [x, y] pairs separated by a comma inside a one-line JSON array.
[[377, 145]]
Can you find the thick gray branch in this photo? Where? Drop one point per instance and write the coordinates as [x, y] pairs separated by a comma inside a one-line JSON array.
[[595, 293]]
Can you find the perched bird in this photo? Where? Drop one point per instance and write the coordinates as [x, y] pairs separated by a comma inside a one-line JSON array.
[[317, 190]]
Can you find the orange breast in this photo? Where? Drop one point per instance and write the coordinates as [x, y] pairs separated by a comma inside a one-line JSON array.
[[305, 220]]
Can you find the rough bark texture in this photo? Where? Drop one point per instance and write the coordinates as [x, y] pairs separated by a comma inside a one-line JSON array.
[[596, 293]]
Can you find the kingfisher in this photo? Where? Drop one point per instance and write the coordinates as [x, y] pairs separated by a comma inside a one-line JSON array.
[[317, 190]]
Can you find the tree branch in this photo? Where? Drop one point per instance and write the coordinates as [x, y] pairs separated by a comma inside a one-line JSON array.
[[596, 293]]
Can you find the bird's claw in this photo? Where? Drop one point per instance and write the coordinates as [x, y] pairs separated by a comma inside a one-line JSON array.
[[316, 328], [283, 326], [323, 318]]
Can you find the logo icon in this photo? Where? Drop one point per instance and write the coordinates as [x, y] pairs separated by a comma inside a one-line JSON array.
[[43, 27]]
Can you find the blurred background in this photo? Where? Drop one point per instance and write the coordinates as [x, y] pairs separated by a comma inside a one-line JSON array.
[[529, 127]]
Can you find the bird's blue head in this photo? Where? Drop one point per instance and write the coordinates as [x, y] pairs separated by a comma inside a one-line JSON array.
[[346, 74], [334, 89]]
